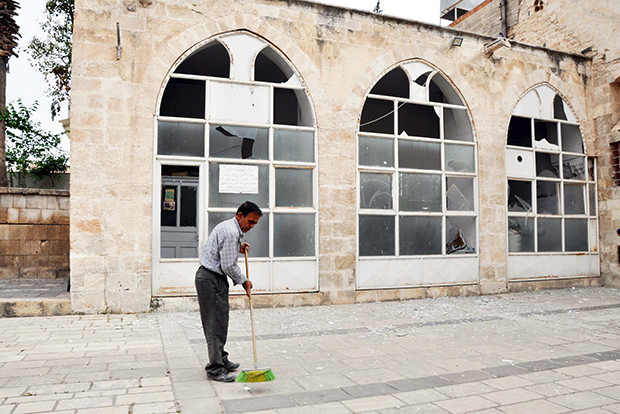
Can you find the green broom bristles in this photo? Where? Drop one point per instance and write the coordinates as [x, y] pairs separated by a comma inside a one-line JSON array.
[[256, 376]]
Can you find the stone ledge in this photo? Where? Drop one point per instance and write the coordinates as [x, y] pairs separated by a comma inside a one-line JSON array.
[[18, 308], [33, 191]]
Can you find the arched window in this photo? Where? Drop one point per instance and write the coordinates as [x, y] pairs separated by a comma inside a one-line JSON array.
[[235, 124], [417, 197], [551, 185]]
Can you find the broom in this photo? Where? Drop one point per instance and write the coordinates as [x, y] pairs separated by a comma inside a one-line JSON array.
[[255, 375]]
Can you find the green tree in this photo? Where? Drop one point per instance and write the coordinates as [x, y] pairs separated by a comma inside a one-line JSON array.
[[9, 33], [30, 149], [52, 55]]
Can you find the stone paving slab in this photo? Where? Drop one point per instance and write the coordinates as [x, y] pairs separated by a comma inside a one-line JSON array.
[[532, 352]]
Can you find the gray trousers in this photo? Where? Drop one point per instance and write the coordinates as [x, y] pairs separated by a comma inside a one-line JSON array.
[[212, 289]]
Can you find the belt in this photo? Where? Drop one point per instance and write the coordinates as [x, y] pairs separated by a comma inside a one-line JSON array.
[[212, 271]]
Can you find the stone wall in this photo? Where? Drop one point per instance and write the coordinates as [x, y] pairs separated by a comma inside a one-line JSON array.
[[34, 234], [589, 28], [339, 54]]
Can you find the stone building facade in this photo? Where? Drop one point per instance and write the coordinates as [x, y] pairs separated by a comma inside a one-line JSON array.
[[376, 148]]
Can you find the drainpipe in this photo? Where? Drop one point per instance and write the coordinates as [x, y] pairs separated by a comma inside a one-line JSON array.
[[504, 6]]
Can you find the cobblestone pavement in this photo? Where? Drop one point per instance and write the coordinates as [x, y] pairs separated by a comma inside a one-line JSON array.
[[534, 352]]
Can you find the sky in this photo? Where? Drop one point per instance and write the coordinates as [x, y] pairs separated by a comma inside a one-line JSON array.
[[25, 82]]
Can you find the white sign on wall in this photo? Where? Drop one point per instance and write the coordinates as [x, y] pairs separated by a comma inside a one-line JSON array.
[[238, 179]]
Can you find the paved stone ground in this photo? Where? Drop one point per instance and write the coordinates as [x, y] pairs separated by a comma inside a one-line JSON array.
[[24, 289], [536, 352]]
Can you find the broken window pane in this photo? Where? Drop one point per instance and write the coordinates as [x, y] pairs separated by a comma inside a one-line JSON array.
[[270, 67], [440, 90], [420, 192], [460, 235], [546, 135], [419, 154], [460, 193], [184, 98], [574, 202], [180, 138], [377, 116], [376, 152], [258, 238], [418, 120], [456, 125], [571, 139], [592, 195], [293, 235], [549, 235], [376, 235], [376, 191], [576, 235], [291, 107], [239, 103], [520, 132], [547, 165], [519, 195], [289, 145], [420, 235], [520, 234], [547, 197], [558, 108], [293, 187], [394, 83], [228, 141], [459, 158], [574, 167], [211, 60], [230, 199]]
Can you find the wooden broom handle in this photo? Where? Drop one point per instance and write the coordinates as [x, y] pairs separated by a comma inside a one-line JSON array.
[[247, 275]]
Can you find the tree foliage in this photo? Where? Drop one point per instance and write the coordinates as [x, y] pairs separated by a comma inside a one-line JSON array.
[[52, 55], [30, 149]]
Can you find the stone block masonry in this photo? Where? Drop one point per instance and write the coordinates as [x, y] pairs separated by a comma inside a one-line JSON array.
[[34, 234]]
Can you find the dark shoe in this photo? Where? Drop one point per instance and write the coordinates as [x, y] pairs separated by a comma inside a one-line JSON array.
[[222, 377], [230, 366]]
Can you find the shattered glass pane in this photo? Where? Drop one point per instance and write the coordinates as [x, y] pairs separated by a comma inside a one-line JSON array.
[[210, 60], [418, 120], [229, 141], [291, 107], [183, 98], [571, 139], [546, 135], [440, 90], [519, 195], [549, 235], [394, 83], [520, 234], [460, 235], [377, 116], [420, 235], [574, 167], [547, 197], [460, 193], [376, 152], [547, 165], [376, 235], [420, 192], [376, 191]]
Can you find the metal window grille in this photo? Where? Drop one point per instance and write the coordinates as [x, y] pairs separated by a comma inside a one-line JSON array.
[[615, 162]]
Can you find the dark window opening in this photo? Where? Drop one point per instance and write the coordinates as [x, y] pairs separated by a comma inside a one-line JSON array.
[[421, 80], [269, 67], [211, 60], [183, 98], [546, 135], [290, 107], [558, 108], [394, 83], [179, 171], [377, 116], [440, 90], [615, 162], [418, 121], [520, 132]]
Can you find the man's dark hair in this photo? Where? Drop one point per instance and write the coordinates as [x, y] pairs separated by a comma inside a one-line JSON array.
[[249, 207]]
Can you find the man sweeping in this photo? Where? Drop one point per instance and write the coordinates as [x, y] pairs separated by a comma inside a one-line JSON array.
[[218, 261]]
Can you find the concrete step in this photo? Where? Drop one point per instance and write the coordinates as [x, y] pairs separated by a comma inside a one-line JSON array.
[[34, 297], [20, 307]]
